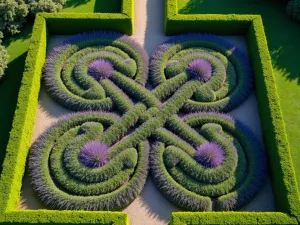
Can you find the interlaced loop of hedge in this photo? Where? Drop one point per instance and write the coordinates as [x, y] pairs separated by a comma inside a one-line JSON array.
[[99, 161], [66, 72], [195, 187], [231, 79], [63, 182]]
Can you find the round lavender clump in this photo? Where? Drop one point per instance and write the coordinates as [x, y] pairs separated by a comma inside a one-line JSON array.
[[209, 155], [94, 154], [200, 69], [100, 69]]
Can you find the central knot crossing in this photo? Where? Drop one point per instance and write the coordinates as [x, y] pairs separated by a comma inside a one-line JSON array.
[[99, 160]]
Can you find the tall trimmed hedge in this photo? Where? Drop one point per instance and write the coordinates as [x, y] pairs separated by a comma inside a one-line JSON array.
[[281, 166], [196, 218], [60, 23], [23, 122]]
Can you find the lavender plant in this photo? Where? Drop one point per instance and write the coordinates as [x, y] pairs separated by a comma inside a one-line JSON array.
[[200, 69], [209, 155], [73, 70], [99, 161], [100, 69], [224, 68], [229, 170], [94, 154], [86, 174]]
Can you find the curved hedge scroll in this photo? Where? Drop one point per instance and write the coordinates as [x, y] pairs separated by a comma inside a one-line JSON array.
[[83, 73], [99, 161], [224, 172], [223, 69]]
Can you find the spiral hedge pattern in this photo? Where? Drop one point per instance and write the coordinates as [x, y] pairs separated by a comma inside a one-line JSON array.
[[81, 73], [224, 173], [62, 181], [225, 71], [99, 160]]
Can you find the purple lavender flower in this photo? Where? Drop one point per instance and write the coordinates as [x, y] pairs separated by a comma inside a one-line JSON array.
[[100, 69], [200, 69], [209, 155], [94, 154]]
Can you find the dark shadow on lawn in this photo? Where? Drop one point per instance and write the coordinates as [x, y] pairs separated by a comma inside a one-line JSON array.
[[191, 7], [221, 6], [75, 3], [9, 89], [24, 35], [101, 6]]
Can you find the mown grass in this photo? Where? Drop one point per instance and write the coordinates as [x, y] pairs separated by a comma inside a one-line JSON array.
[[89, 6]]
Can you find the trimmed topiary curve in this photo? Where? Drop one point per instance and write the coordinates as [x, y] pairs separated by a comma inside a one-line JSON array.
[[72, 167], [223, 69], [99, 160], [88, 70], [221, 169]]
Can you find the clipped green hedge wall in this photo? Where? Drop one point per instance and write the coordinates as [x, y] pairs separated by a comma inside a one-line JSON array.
[[22, 128], [60, 23], [284, 182], [190, 218], [57, 217]]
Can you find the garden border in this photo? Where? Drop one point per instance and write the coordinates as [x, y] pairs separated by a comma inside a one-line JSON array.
[[25, 114], [284, 183], [283, 177]]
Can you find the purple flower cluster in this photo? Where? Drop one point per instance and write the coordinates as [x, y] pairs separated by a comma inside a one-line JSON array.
[[200, 69], [94, 154], [100, 69], [209, 155]]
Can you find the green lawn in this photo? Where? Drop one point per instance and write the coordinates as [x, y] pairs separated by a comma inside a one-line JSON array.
[[88, 6], [283, 35]]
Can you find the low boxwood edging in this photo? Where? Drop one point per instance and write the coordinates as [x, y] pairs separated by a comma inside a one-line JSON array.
[[281, 167], [21, 133]]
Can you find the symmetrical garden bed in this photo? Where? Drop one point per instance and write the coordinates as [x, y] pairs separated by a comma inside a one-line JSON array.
[[281, 169], [200, 160]]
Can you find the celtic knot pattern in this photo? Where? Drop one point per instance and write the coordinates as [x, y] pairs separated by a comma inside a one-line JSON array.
[[99, 160]]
